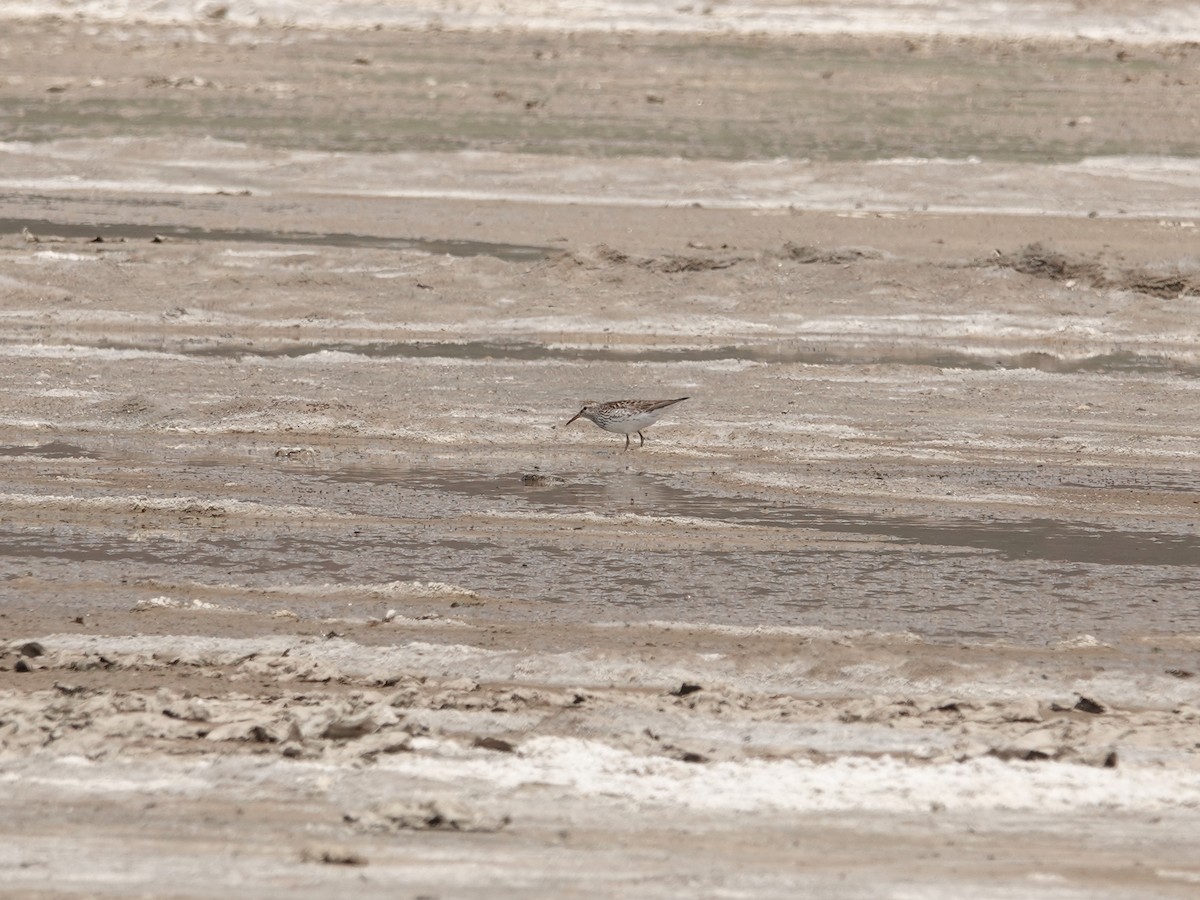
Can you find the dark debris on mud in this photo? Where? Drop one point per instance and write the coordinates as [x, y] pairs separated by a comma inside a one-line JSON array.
[[809, 255], [704, 259], [1043, 262], [1032, 259], [604, 256]]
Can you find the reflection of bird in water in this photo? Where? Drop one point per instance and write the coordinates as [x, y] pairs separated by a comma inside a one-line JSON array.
[[625, 416]]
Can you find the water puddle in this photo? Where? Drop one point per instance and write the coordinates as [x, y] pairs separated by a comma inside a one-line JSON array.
[[1029, 539], [104, 234], [50, 450]]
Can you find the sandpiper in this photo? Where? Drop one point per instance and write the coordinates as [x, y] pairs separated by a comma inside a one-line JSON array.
[[625, 416]]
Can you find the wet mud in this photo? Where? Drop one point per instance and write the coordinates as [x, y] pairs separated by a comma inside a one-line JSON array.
[[306, 585]]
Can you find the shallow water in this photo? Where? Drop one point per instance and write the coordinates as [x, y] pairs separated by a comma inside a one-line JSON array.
[[1035, 538], [828, 353], [118, 233], [634, 546]]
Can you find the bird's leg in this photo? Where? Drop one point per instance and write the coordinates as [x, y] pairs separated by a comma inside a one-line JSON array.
[[642, 439], [626, 442]]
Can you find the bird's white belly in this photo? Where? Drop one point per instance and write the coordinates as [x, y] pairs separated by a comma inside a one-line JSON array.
[[629, 424]]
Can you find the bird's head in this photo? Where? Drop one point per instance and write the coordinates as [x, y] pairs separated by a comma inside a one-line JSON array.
[[588, 411]]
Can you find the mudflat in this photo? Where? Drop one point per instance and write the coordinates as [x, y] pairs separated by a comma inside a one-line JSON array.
[[308, 589]]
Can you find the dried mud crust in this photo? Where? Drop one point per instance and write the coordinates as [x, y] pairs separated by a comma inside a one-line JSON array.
[[329, 697]]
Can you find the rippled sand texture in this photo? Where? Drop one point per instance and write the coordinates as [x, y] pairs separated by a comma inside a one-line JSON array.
[[306, 588]]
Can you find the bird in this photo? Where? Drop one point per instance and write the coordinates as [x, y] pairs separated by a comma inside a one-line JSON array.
[[625, 416]]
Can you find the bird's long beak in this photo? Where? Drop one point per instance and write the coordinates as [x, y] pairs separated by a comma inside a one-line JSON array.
[[574, 417]]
